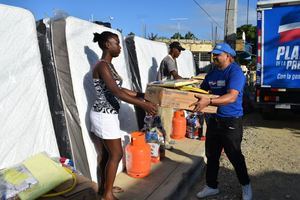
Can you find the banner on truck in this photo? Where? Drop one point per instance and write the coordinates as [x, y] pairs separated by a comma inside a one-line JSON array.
[[281, 47]]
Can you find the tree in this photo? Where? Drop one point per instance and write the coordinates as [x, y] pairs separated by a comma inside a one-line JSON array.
[[251, 36], [190, 36], [177, 36], [152, 36]]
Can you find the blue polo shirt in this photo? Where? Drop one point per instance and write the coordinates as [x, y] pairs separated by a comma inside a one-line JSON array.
[[220, 81]]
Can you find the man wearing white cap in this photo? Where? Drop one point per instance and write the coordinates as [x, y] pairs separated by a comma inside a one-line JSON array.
[[225, 128]]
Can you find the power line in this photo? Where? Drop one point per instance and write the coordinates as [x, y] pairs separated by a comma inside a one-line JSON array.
[[208, 14]]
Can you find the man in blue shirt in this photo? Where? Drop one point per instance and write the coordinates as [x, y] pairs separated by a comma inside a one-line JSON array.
[[225, 128]]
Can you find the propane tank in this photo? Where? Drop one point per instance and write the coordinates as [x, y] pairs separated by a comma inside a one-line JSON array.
[[138, 156], [179, 125]]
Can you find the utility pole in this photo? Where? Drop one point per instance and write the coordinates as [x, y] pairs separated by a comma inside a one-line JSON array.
[[212, 34], [230, 22], [247, 12], [216, 33], [144, 29], [179, 19]]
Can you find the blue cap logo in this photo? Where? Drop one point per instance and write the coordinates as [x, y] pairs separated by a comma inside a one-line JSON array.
[[223, 47]]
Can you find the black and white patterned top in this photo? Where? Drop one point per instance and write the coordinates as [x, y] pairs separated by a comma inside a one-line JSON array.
[[105, 101]]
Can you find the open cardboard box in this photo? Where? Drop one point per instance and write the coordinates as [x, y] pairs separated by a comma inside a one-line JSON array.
[[174, 98]]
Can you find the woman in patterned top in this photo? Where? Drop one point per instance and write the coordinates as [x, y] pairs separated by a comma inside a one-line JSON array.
[[104, 113]]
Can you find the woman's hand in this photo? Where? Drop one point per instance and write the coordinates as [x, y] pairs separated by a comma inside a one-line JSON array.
[[202, 103], [150, 108]]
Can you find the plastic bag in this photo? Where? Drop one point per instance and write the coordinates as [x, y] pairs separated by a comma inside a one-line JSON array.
[[14, 180]]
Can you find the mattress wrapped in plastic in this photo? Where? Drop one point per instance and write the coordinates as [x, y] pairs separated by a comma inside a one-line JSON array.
[[25, 124]]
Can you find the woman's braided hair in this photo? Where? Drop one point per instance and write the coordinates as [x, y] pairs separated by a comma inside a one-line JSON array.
[[103, 37]]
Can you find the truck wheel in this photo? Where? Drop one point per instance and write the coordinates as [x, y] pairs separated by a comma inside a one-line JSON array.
[[269, 113]]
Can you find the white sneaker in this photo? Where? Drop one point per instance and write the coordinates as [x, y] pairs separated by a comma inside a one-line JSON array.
[[207, 191], [247, 192]]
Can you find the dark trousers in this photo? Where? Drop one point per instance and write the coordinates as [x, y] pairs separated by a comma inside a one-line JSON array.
[[224, 133]]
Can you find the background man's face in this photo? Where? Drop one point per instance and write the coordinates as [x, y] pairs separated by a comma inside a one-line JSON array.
[[176, 52]]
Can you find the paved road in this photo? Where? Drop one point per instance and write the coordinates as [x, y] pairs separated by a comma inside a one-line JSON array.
[[272, 151]]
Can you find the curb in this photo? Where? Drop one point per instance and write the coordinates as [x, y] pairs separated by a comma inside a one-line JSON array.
[[188, 180]]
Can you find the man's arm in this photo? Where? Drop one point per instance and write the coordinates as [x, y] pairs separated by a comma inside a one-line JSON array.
[[225, 99], [175, 74], [229, 97], [172, 69]]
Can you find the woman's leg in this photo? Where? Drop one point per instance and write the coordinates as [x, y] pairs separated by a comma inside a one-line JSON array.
[[102, 159], [115, 154]]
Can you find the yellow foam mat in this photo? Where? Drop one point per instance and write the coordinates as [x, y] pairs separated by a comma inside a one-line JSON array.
[[48, 173]]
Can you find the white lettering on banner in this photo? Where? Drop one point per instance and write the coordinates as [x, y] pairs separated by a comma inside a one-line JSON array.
[[288, 57], [280, 52], [293, 65], [288, 76], [281, 76], [295, 53], [295, 76]]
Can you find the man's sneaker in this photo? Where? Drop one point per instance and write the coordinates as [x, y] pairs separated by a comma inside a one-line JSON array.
[[247, 192], [207, 191]]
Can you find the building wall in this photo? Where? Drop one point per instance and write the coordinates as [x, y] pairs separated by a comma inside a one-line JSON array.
[[193, 45]]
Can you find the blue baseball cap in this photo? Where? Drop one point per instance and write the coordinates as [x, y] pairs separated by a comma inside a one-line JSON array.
[[223, 47]]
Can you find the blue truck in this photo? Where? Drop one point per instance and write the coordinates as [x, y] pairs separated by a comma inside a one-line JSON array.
[[278, 56]]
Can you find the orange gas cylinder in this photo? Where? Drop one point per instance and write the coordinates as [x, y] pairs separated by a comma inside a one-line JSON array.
[[179, 125], [138, 156]]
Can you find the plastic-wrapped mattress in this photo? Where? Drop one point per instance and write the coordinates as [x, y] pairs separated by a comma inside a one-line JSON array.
[[25, 123]]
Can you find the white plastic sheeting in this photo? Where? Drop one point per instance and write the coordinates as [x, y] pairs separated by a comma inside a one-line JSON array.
[[149, 55], [25, 123], [186, 64], [83, 55]]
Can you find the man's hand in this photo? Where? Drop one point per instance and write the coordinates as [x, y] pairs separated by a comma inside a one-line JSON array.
[[202, 103], [150, 108]]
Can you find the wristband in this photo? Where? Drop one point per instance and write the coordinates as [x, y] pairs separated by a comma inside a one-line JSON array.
[[140, 95], [210, 101]]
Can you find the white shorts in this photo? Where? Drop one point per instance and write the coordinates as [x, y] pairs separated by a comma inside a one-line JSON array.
[[105, 126]]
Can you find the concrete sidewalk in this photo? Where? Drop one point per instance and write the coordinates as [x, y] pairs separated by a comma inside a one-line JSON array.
[[169, 179]]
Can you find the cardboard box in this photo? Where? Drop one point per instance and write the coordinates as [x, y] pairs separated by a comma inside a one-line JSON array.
[[174, 98]]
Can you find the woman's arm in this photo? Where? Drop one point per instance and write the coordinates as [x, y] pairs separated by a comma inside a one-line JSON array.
[[133, 93], [129, 92], [122, 93]]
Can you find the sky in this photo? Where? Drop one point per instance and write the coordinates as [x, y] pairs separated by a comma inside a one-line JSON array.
[[144, 17]]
